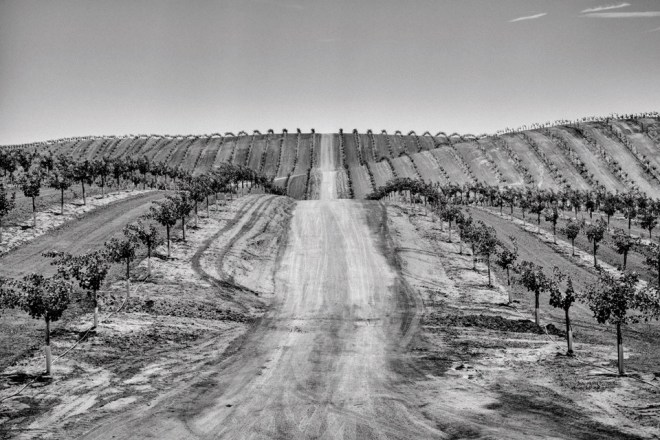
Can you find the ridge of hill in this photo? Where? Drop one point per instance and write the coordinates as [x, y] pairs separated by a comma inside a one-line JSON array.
[[618, 154]]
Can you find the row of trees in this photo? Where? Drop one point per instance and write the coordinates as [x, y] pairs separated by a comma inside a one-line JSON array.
[[616, 299], [551, 206], [30, 171], [47, 298], [631, 204]]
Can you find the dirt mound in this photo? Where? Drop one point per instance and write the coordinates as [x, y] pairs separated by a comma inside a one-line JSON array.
[[492, 323], [180, 308]]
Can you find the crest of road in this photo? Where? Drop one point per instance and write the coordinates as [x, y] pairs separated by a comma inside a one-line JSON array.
[[326, 360]]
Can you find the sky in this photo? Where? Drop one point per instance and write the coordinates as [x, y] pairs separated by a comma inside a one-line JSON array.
[[96, 67]]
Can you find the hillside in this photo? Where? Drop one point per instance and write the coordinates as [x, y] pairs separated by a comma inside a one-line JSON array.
[[617, 154]]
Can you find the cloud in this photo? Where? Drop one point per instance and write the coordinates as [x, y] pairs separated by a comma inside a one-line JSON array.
[[654, 30], [605, 8], [643, 14], [529, 17]]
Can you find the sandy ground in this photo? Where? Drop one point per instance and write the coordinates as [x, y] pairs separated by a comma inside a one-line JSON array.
[[175, 325], [489, 372], [319, 362]]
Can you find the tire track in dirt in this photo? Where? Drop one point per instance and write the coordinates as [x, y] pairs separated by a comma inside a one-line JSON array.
[[254, 209], [321, 362]]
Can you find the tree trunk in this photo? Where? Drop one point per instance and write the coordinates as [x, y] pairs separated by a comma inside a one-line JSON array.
[[490, 284], [183, 227], [34, 212], [508, 277], [96, 309], [573, 246], [83, 191], [569, 334], [167, 229], [619, 347], [149, 262], [47, 349], [554, 232], [208, 213], [537, 319], [128, 278], [625, 259], [62, 201], [595, 262]]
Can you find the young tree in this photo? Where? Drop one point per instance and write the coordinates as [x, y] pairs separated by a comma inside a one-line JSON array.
[[464, 226], [7, 203], [182, 205], [628, 204], [595, 233], [486, 245], [88, 269], [148, 236], [43, 298], [537, 208], [611, 299], [450, 214], [7, 162], [165, 213], [563, 299], [197, 190], [623, 243], [572, 230], [472, 232], [6, 294], [590, 204], [102, 168], [83, 173], [123, 251], [60, 179], [652, 258], [525, 203], [552, 216], [609, 207], [31, 186], [648, 220], [532, 278], [506, 259], [576, 198]]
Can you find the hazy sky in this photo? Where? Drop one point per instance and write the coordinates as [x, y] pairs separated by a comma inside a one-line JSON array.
[[70, 68]]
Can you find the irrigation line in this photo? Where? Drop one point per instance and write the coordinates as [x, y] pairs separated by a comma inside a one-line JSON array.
[[82, 338]]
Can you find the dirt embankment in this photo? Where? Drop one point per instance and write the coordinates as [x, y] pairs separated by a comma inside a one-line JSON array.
[[175, 325], [487, 372]]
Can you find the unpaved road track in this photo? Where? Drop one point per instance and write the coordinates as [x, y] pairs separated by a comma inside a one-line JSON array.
[[320, 364], [79, 236]]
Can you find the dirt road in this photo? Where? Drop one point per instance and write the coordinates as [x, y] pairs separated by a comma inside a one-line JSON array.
[[90, 232], [321, 363], [328, 170]]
